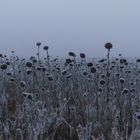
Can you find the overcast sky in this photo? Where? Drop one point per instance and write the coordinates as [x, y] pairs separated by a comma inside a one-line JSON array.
[[70, 25]]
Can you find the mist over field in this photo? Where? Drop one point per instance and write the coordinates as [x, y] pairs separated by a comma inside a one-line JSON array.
[[74, 25], [69, 70]]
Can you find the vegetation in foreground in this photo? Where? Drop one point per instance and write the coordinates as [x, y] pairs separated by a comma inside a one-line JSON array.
[[71, 99]]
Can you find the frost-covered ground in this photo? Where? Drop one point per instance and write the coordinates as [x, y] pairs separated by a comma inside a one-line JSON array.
[[71, 99]]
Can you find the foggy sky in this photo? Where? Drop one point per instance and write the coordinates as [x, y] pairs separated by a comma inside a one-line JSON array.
[[70, 25]]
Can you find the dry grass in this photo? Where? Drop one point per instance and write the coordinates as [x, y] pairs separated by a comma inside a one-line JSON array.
[[72, 99]]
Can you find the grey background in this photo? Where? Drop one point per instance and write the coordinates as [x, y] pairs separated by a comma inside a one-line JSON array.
[[70, 25]]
